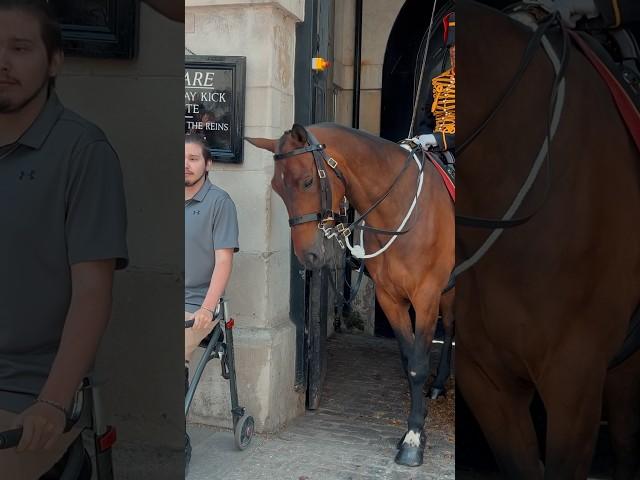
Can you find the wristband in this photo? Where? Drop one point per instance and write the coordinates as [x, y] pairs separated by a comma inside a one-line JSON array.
[[208, 310], [55, 405]]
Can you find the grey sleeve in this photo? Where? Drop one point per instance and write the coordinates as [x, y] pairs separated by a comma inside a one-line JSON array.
[[96, 217], [225, 225]]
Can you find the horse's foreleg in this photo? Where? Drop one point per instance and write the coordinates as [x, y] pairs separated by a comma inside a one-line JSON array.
[[397, 311], [444, 363], [412, 447], [572, 394], [500, 403], [622, 399]]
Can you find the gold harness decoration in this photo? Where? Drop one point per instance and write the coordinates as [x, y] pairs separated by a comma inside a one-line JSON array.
[[444, 104]]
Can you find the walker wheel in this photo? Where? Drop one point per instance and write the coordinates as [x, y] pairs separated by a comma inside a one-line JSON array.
[[245, 428]]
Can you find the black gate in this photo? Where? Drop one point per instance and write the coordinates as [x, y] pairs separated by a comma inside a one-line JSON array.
[[310, 296]]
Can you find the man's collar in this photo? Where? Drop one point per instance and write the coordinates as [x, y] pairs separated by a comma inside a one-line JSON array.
[[39, 130], [206, 186]]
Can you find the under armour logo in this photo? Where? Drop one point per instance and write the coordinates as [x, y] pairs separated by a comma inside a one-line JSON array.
[[196, 212], [31, 175]]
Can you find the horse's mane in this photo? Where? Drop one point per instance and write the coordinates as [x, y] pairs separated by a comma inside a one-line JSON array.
[[359, 133]]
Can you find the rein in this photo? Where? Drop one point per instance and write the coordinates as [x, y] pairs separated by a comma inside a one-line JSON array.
[[553, 120]]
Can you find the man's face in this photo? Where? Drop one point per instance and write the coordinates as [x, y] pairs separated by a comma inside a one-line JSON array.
[[195, 165], [25, 68]]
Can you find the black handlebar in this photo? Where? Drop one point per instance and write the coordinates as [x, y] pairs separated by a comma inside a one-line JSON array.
[[10, 438], [189, 323]]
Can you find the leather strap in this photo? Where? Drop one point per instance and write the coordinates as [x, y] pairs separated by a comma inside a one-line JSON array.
[[298, 151], [321, 162], [309, 217]]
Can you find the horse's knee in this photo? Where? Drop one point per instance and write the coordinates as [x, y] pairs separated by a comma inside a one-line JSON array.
[[418, 370]]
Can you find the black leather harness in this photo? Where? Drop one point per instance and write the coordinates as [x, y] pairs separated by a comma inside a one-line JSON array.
[[320, 158], [326, 213]]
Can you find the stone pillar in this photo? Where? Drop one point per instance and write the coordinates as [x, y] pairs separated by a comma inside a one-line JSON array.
[[263, 32]]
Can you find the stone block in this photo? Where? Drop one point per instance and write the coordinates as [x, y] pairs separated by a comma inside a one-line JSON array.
[[265, 366], [291, 7]]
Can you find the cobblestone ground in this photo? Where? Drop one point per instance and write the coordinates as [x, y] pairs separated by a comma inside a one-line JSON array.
[[352, 436]]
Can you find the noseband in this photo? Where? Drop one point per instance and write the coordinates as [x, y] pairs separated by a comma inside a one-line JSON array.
[[326, 213]]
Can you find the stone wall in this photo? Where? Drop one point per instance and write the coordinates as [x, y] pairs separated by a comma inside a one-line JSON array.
[[263, 32], [141, 356]]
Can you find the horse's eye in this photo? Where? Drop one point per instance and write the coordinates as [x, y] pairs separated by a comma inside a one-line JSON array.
[[308, 182]]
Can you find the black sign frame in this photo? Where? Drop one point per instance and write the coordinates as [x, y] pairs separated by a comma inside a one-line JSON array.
[[117, 39], [238, 67]]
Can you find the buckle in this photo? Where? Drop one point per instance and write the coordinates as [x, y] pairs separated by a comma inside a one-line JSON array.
[[342, 230], [332, 163], [322, 173]]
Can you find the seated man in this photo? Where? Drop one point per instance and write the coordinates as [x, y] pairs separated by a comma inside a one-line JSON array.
[[443, 108], [211, 239]]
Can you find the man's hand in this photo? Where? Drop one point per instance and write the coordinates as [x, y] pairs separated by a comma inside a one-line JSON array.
[[202, 319], [426, 141], [42, 425]]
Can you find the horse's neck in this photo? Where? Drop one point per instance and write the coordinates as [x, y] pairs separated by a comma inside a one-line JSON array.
[[368, 180]]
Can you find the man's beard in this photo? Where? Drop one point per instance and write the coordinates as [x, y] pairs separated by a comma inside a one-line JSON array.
[[7, 107], [191, 184]]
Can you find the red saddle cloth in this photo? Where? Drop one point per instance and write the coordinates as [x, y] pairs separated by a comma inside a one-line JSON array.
[[451, 187], [625, 104]]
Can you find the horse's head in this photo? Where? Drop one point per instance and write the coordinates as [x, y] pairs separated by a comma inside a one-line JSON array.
[[296, 180]]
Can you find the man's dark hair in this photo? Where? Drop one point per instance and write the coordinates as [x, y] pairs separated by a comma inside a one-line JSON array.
[[49, 25], [194, 138]]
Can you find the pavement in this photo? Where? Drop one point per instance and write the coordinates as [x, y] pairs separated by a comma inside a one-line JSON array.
[[352, 436]]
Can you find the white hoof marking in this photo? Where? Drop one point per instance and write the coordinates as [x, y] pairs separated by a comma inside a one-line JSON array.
[[412, 439]]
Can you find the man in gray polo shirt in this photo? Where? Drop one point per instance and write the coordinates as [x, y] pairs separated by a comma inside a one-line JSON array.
[[62, 212], [210, 240]]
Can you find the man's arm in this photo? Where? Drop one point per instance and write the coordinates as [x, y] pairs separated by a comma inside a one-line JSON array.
[[86, 320], [85, 324], [219, 280]]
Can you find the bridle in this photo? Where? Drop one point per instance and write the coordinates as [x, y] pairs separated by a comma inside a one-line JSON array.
[[326, 215], [341, 230]]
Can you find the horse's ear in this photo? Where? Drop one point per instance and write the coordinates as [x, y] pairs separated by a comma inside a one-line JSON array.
[[264, 143], [299, 133]]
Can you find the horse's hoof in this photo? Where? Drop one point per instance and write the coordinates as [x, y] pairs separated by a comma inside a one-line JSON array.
[[410, 456], [436, 393]]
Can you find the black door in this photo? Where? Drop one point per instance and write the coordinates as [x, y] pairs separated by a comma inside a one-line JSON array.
[[310, 290]]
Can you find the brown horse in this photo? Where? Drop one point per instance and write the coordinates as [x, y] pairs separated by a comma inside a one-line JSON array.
[[549, 305], [412, 271]]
